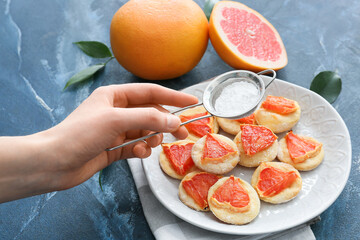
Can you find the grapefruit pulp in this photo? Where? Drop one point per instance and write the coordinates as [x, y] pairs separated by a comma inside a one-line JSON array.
[[244, 39], [300, 148], [215, 150], [256, 138], [232, 193], [179, 157], [247, 120], [200, 127], [198, 186], [279, 105], [273, 181]]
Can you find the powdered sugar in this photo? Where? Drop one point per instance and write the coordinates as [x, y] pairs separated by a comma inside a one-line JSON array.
[[237, 97]]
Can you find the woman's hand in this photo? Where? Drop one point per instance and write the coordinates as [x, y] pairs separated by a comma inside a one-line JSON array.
[[74, 150]]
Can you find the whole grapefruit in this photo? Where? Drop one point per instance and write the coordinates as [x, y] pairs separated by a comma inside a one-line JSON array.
[[159, 39], [244, 39]]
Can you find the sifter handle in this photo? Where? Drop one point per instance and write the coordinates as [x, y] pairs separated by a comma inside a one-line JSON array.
[[267, 71]]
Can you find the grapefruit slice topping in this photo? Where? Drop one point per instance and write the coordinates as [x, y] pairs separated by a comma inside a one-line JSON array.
[[251, 36], [231, 195], [215, 150], [300, 148], [198, 186], [179, 157], [200, 127], [247, 120], [255, 138], [279, 105], [273, 180]]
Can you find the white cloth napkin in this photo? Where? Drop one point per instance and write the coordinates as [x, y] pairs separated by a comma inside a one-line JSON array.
[[165, 225]]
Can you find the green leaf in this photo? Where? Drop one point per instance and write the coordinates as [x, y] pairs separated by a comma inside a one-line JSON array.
[[208, 7], [100, 183], [84, 74], [327, 84], [94, 49]]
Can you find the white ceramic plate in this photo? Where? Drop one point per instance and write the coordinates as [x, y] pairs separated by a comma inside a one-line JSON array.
[[321, 186]]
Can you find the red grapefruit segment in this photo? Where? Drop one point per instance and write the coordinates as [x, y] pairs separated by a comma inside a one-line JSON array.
[[301, 148], [279, 105], [247, 120], [244, 39], [179, 157], [198, 187], [232, 193], [215, 150], [273, 181], [256, 138], [200, 127]]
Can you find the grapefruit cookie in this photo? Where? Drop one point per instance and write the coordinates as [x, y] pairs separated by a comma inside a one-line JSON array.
[[199, 128], [233, 126], [278, 113], [175, 158], [276, 182], [256, 144], [233, 200], [215, 153], [194, 187], [304, 153]]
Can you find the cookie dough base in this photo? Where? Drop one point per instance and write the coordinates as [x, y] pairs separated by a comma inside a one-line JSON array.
[[230, 126], [285, 195], [277, 122], [197, 110], [266, 155], [232, 217], [307, 165], [167, 167], [186, 199], [227, 164]]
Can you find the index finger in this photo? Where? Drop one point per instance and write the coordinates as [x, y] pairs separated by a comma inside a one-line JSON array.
[[146, 93]]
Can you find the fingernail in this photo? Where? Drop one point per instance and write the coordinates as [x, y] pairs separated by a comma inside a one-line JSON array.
[[142, 152], [173, 122]]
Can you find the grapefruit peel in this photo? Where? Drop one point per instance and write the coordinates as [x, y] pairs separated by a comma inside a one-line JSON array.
[[244, 39]]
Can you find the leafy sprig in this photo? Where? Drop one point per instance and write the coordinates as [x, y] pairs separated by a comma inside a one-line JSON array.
[[327, 84], [92, 49]]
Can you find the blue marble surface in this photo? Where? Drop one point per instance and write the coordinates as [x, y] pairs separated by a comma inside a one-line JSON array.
[[37, 57]]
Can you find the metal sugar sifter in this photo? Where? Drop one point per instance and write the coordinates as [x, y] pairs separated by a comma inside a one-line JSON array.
[[212, 93]]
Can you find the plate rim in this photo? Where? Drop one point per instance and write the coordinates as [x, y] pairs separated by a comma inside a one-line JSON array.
[[296, 223]]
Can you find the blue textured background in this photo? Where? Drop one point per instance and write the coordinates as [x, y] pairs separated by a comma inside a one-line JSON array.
[[37, 57]]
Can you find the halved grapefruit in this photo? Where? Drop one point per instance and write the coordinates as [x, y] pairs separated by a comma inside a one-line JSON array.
[[244, 39]]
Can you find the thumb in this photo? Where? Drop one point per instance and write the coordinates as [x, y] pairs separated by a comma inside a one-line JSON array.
[[147, 119]]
